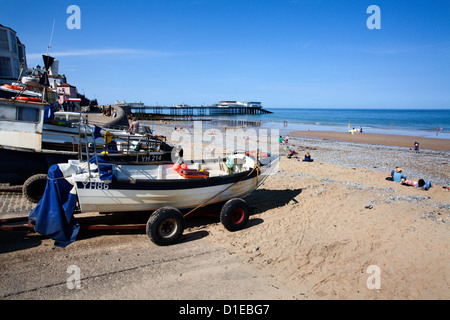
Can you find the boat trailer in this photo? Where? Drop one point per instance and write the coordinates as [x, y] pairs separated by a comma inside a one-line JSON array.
[[234, 217]]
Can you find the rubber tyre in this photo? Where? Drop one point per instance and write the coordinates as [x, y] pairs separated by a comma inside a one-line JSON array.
[[234, 215], [165, 226], [34, 187]]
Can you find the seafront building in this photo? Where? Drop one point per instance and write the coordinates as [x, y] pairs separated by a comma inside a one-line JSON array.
[[12, 55], [237, 104], [67, 93], [14, 71]]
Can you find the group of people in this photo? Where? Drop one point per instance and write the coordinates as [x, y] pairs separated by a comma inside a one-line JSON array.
[[398, 176], [294, 153], [285, 140], [66, 106], [353, 131], [109, 111]]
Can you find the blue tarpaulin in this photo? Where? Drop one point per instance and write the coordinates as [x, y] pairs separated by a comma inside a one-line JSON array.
[[53, 215], [49, 113], [104, 167]]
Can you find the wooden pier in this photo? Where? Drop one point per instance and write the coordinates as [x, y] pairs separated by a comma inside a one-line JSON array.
[[193, 111]]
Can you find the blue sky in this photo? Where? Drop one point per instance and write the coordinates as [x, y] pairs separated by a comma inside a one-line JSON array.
[[304, 53]]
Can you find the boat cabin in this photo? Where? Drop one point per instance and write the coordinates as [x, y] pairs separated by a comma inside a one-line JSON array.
[[21, 123]]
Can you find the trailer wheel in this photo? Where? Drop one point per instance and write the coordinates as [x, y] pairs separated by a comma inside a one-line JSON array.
[[234, 214], [165, 226], [34, 187]]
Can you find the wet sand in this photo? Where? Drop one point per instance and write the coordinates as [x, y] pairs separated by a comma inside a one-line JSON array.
[[381, 139]]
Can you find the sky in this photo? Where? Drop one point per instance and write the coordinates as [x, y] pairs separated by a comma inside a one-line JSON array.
[[283, 53]]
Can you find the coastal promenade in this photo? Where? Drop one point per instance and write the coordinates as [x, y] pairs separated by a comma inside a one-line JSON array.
[[100, 119]]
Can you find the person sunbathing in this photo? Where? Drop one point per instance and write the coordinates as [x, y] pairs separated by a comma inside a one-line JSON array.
[[425, 185]]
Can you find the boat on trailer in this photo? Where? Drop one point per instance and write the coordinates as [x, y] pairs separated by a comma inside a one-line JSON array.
[[32, 139], [163, 189], [29, 145]]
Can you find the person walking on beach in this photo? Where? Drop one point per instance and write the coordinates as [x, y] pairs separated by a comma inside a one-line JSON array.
[[416, 147]]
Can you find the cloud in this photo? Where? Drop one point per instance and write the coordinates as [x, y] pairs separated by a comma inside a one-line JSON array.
[[399, 49], [114, 52]]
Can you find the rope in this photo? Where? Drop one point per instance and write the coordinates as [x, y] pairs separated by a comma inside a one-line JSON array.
[[256, 167], [52, 179]]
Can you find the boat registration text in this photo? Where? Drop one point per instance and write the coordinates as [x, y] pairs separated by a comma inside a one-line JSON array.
[[96, 185]]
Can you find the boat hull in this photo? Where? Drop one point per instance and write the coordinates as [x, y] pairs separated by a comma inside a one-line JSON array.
[[18, 164], [122, 200], [95, 195]]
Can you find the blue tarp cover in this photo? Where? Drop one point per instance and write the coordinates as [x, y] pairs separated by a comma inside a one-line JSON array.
[[104, 168], [49, 113], [53, 215]]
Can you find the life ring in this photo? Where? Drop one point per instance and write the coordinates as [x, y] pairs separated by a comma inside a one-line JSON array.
[[8, 86], [17, 88], [29, 99]]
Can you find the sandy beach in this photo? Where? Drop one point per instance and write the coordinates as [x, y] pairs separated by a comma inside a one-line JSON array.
[[319, 231], [320, 225]]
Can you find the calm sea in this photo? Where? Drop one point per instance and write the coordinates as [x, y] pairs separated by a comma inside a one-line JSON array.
[[422, 123]]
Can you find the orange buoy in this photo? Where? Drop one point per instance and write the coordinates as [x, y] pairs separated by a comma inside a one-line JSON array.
[[184, 166], [176, 166]]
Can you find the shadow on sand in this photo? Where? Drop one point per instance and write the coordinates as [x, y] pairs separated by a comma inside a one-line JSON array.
[[135, 222]]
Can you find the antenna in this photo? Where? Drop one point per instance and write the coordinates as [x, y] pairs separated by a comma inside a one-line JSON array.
[[51, 37]]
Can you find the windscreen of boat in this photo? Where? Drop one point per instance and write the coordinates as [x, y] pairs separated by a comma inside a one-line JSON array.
[[19, 113]]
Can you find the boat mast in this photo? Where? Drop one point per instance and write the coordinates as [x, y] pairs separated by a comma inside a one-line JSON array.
[[51, 38], [48, 54]]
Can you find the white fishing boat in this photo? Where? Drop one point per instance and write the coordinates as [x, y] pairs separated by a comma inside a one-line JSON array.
[[29, 145], [8, 91], [165, 189]]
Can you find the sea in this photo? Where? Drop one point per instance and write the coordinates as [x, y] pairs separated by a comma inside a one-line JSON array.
[[425, 123], [421, 123]]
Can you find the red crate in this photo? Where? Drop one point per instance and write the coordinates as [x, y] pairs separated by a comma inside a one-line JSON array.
[[193, 173]]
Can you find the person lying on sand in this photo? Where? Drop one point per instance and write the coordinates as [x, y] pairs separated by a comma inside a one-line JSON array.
[[425, 185]]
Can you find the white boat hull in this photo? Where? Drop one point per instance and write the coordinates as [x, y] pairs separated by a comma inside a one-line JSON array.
[[101, 200], [95, 195]]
